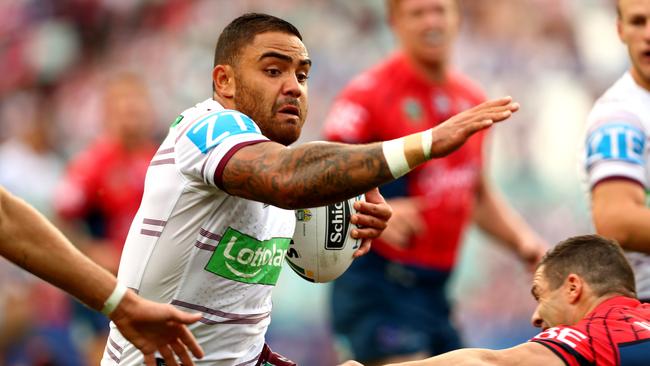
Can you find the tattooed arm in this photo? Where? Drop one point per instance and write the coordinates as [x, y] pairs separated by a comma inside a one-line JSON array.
[[319, 173], [312, 174], [30, 241]]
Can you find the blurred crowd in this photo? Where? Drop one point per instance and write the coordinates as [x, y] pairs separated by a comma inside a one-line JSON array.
[[90, 86]]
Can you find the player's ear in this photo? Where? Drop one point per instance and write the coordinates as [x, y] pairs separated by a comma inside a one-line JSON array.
[[223, 77], [574, 287]]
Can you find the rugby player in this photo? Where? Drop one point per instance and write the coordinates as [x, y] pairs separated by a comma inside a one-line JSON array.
[[587, 309], [617, 152], [217, 215]]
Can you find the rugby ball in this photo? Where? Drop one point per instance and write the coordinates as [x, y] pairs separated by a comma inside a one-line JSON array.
[[321, 248]]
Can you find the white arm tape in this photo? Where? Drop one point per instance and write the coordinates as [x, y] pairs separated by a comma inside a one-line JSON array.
[[114, 299], [427, 141], [394, 154]]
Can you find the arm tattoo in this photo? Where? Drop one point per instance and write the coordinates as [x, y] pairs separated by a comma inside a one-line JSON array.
[[309, 175]]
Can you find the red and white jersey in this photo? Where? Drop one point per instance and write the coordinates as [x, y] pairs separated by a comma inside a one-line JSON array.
[[618, 129], [193, 245], [392, 100], [615, 333]]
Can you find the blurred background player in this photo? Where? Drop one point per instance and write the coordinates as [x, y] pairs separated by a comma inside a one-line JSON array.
[[103, 184], [409, 265], [587, 309], [618, 164], [31, 242]]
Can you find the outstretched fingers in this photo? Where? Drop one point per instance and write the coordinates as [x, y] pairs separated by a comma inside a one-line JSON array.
[[190, 342], [502, 101], [181, 352], [149, 359], [168, 355]]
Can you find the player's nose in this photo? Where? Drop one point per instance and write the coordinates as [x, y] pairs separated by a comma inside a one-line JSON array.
[[536, 320], [291, 86]]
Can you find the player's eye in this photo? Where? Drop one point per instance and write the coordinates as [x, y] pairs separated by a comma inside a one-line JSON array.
[[302, 77], [273, 72], [638, 21]]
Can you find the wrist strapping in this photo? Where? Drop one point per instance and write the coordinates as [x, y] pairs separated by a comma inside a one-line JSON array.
[[406, 153], [114, 299]]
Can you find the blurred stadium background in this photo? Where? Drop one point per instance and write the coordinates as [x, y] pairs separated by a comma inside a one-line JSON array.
[[554, 56]]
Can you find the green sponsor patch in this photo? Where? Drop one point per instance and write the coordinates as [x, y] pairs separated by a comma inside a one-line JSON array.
[[177, 120], [242, 258]]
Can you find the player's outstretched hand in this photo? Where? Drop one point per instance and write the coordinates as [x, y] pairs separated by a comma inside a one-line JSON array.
[[371, 219], [531, 248], [152, 327], [451, 134]]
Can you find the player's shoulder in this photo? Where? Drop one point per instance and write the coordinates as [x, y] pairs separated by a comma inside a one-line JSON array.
[[371, 79], [202, 109], [465, 85], [208, 125], [97, 153], [623, 101]]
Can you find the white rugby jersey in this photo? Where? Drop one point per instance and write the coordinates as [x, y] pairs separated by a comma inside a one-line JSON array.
[[193, 245], [617, 147]]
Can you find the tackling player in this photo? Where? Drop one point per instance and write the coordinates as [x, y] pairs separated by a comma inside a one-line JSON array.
[[31, 242], [587, 308], [617, 151], [216, 216]]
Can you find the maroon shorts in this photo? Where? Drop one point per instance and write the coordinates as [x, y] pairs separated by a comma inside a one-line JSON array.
[[270, 358]]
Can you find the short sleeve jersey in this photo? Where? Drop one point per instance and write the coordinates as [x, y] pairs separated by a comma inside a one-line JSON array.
[[195, 246], [616, 333], [392, 100], [617, 147]]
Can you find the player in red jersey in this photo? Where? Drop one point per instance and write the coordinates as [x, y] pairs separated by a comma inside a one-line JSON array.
[[407, 270], [103, 185], [587, 308]]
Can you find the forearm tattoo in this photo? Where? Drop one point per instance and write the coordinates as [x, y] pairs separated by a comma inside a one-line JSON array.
[[309, 175]]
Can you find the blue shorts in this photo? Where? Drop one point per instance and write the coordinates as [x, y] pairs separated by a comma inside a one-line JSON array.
[[382, 309]]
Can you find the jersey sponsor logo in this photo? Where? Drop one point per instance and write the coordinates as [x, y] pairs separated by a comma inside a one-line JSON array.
[[215, 128], [568, 336], [413, 110], [338, 221], [442, 104], [347, 120], [242, 258], [616, 141]]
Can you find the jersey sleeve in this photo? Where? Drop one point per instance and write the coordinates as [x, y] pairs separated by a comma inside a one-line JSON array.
[[205, 146], [349, 119], [569, 344], [615, 147]]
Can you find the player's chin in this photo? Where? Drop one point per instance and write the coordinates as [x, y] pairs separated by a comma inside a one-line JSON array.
[[288, 129], [286, 135]]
